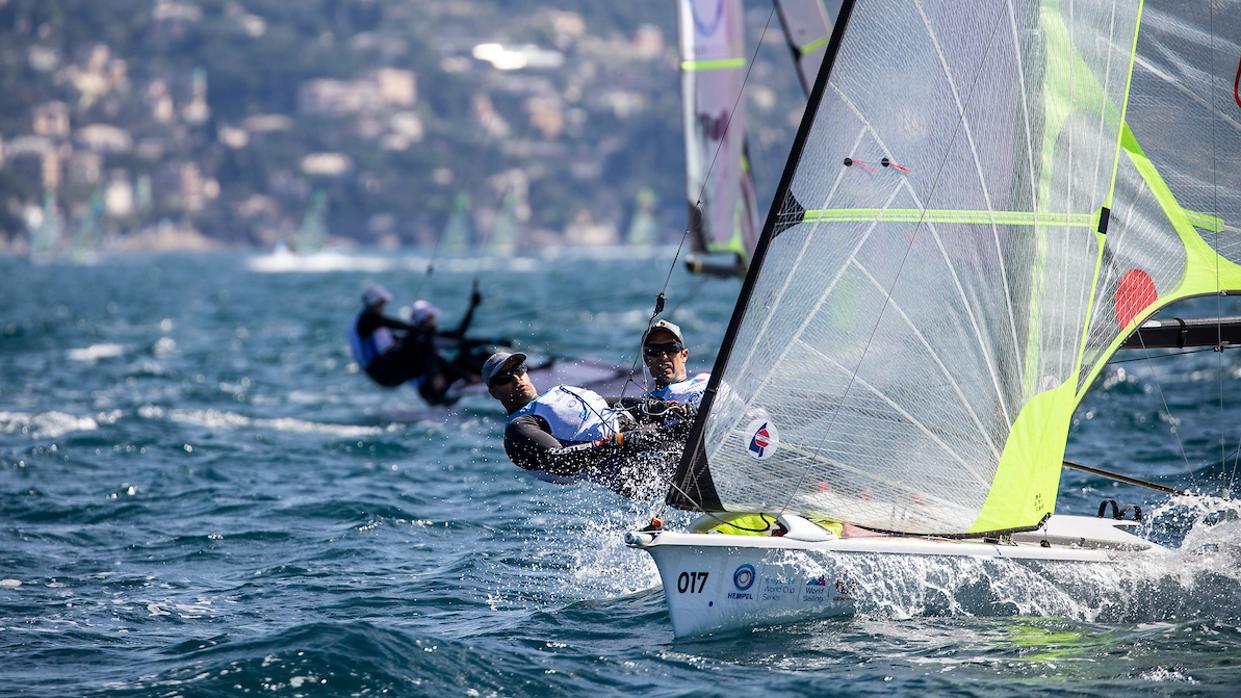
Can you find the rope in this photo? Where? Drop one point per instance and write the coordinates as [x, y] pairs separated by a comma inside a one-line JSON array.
[[1180, 443], [659, 299]]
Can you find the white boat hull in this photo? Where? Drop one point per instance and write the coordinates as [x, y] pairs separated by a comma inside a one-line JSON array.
[[716, 582]]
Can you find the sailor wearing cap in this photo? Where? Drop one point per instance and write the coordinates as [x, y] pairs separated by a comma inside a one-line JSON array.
[[663, 350], [570, 433], [371, 332]]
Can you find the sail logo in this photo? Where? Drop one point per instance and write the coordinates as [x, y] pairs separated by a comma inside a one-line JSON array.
[[743, 579], [763, 439]]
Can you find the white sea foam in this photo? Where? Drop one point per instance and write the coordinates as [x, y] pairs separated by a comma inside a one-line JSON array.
[[219, 418], [1201, 578], [96, 352], [46, 425], [319, 262]]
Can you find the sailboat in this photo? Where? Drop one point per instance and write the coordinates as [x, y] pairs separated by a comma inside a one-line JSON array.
[[312, 235], [504, 231], [983, 203], [643, 230], [723, 214], [46, 231], [89, 238], [458, 232]]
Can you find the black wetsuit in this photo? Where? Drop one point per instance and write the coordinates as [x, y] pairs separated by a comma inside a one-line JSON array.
[[640, 466]]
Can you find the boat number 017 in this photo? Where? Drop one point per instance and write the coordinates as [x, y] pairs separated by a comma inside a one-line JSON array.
[[691, 582]]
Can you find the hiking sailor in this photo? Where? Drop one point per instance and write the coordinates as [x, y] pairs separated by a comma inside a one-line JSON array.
[[663, 350], [391, 360], [569, 433]]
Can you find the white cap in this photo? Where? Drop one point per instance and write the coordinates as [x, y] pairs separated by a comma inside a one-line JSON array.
[[666, 326], [422, 311], [375, 294]]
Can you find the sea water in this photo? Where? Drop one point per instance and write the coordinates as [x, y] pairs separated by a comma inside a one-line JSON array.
[[200, 495]]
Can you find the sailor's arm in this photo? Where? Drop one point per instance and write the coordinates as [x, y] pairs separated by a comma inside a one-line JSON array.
[[459, 333], [369, 322], [530, 447]]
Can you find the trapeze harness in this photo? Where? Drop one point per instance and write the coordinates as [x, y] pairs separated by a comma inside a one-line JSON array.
[[686, 392], [574, 416]]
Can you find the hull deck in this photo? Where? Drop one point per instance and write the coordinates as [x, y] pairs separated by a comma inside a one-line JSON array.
[[716, 582]]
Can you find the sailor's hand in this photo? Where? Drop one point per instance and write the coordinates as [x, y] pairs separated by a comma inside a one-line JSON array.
[[677, 410], [614, 441]]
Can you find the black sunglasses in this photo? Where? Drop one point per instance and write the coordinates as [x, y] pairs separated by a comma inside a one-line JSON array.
[[663, 348], [507, 377]]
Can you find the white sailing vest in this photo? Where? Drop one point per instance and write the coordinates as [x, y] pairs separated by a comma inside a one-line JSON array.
[[686, 392], [575, 415], [365, 349]]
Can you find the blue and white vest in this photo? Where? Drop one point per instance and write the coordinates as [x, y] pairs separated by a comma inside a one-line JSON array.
[[365, 349], [686, 392], [575, 415]]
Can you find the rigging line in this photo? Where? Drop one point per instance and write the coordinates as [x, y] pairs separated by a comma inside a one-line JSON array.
[[1180, 442], [689, 297], [701, 191], [899, 268]]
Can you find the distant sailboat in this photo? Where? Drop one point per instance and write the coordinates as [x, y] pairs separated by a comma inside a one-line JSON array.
[[504, 230], [972, 224], [46, 234], [643, 231], [723, 211], [312, 235], [723, 214], [89, 238], [458, 236]]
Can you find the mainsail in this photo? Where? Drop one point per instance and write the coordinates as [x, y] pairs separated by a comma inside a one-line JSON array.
[[807, 27], [719, 186], [984, 200]]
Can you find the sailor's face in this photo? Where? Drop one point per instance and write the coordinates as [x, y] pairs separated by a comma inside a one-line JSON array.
[[665, 357], [513, 386]]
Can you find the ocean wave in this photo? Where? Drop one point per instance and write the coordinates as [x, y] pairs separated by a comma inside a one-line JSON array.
[[50, 425], [96, 352], [317, 263], [233, 420]]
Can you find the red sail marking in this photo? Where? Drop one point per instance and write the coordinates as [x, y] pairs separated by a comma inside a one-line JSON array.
[[1134, 294]]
